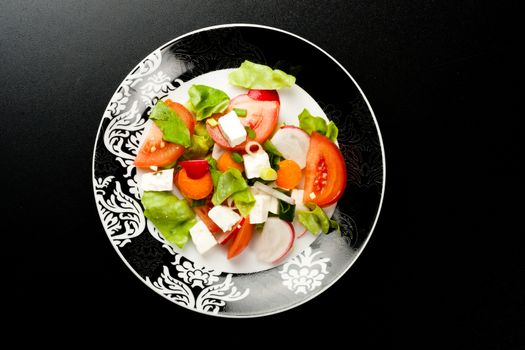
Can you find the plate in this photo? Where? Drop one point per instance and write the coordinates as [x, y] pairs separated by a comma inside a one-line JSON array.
[[212, 285]]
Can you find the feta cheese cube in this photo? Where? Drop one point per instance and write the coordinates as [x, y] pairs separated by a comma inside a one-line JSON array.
[[259, 212], [232, 129], [297, 195], [273, 207], [157, 181], [202, 237], [217, 151], [253, 164], [224, 217]]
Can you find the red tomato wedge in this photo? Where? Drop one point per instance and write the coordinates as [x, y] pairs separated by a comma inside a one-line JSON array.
[[325, 172], [261, 116], [157, 152], [241, 240], [195, 168], [224, 237], [264, 95], [202, 212]]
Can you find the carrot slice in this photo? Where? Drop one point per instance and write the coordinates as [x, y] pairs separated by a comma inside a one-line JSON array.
[[288, 175], [194, 188], [226, 162]]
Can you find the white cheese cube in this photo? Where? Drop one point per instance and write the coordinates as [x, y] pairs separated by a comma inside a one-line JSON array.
[[224, 217], [273, 207], [259, 212], [232, 129], [217, 151], [297, 195], [253, 164], [202, 237], [157, 181]]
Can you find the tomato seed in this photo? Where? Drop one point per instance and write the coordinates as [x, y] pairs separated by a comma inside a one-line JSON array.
[[153, 149]]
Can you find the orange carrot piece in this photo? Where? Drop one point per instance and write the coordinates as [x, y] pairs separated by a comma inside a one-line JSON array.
[[288, 175], [226, 162], [194, 188]]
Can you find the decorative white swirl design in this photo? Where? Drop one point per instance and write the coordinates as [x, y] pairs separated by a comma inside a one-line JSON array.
[[123, 133], [304, 273], [158, 84], [211, 298], [122, 137], [121, 215], [121, 97], [194, 274]]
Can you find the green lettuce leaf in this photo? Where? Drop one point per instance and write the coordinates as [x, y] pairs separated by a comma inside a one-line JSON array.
[[332, 131], [172, 216], [244, 201], [315, 220], [201, 142], [229, 182], [258, 76], [215, 174], [205, 101], [273, 154], [173, 127], [310, 123]]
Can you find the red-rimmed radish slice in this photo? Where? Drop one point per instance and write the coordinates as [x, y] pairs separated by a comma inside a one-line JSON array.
[[293, 144], [275, 241], [298, 228]]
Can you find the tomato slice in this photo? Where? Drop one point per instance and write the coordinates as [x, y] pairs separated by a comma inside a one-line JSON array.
[[224, 237], [325, 172], [241, 240], [195, 168], [264, 95], [157, 152], [261, 116]]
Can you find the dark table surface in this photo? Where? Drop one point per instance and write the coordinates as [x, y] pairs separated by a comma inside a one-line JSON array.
[[443, 80]]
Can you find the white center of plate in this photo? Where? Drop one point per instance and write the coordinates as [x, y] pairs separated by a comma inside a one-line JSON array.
[[293, 101]]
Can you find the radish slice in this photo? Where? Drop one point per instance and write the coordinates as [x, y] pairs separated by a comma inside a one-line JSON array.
[[272, 192], [275, 241], [298, 228], [293, 144]]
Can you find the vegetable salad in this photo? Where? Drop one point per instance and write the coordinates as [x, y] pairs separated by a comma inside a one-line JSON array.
[[241, 173]]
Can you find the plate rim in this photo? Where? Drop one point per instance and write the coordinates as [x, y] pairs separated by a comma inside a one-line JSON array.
[[383, 185]]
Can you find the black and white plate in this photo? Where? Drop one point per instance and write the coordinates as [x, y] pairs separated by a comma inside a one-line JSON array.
[[211, 285]]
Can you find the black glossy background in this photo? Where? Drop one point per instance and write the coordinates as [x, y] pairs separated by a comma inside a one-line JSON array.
[[445, 264]]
